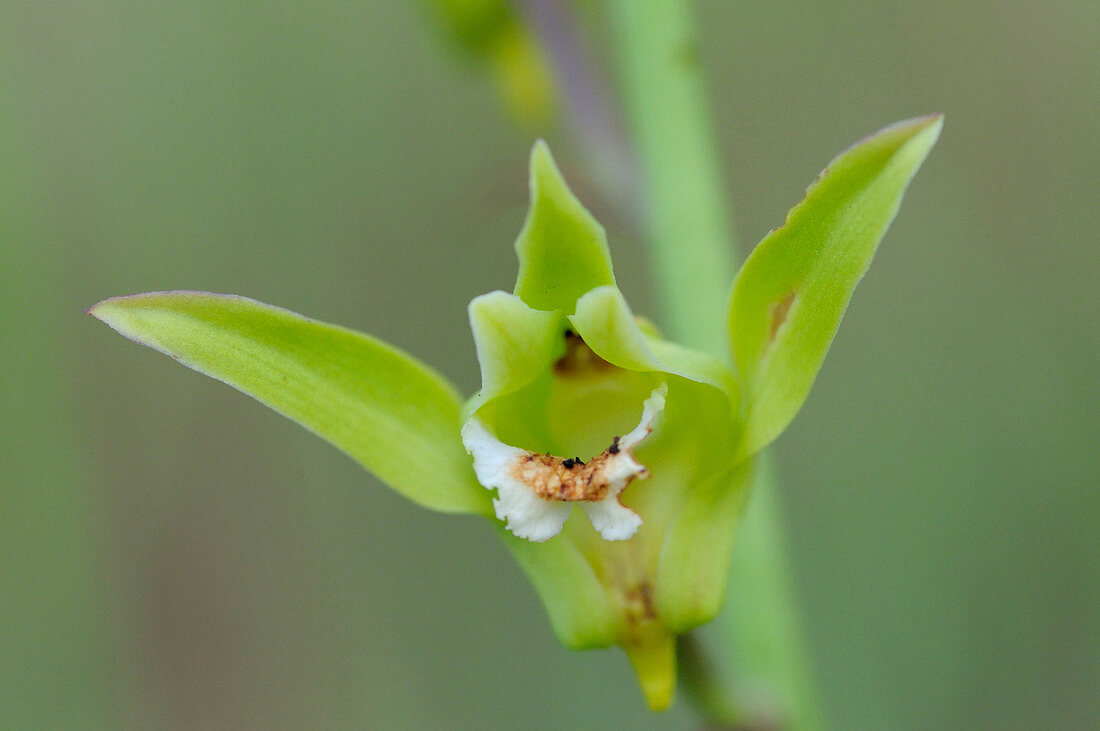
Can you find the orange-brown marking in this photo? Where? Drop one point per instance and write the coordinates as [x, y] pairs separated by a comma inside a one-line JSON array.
[[550, 479], [779, 312]]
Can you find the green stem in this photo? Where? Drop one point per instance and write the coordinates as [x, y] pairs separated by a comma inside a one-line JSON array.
[[761, 623], [692, 253], [691, 239]]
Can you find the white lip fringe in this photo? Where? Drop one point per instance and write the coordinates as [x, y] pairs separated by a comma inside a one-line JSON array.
[[536, 492]]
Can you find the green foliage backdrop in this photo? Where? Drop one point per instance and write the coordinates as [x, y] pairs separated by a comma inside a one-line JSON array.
[[173, 554]]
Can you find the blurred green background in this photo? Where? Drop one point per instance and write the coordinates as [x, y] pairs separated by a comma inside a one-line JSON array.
[[174, 555]]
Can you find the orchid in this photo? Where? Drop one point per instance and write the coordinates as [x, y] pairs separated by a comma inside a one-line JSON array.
[[581, 401]]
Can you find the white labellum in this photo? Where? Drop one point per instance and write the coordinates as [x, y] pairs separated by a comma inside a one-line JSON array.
[[536, 491]]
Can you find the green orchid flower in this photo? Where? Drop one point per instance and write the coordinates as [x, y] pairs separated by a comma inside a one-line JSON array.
[[581, 401]]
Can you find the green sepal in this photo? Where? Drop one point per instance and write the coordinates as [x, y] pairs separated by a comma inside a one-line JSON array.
[[587, 614], [580, 608], [394, 415], [562, 249], [790, 295], [694, 563]]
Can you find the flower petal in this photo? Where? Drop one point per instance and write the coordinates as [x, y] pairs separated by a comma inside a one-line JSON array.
[[582, 611], [651, 409], [526, 514], [394, 415], [695, 556], [790, 295], [562, 248], [612, 520], [535, 492], [610, 329], [515, 343]]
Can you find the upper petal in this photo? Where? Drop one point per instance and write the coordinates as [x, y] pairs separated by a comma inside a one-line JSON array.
[[604, 320], [562, 248]]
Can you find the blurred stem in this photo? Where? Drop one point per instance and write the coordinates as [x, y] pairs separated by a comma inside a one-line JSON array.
[[691, 239], [761, 622], [692, 251], [587, 102]]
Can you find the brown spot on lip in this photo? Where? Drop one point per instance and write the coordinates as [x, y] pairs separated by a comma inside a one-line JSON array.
[[779, 311], [569, 480]]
